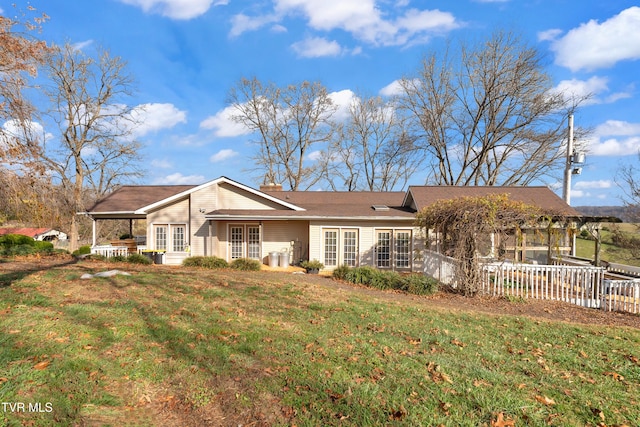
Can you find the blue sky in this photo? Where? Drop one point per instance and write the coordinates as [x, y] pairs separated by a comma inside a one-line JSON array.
[[187, 54]]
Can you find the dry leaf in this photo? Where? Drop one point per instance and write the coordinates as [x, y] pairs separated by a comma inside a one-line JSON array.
[[545, 400], [42, 365], [615, 376], [502, 422]]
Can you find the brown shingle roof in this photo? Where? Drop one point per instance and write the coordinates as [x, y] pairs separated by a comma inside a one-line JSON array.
[[129, 198], [335, 204], [540, 196]]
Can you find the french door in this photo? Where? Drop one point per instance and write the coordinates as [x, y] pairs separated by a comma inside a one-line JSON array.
[[340, 247], [244, 241], [393, 249]]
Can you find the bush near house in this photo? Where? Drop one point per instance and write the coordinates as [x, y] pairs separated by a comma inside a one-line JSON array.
[[246, 264], [418, 284], [211, 262]]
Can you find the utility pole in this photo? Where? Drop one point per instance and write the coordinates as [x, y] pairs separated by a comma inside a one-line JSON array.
[[568, 169]]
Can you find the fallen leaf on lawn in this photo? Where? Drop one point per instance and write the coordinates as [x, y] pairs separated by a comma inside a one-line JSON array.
[[398, 414], [457, 342], [598, 413], [615, 376], [501, 422], [545, 400], [42, 365], [481, 383]]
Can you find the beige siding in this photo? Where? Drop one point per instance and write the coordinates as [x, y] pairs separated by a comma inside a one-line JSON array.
[[230, 197], [367, 238], [278, 235], [205, 200], [176, 213]]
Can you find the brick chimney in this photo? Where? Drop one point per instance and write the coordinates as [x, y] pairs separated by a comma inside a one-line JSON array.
[[271, 187]]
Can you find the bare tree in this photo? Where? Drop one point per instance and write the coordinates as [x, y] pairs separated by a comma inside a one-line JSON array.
[[491, 118], [290, 121], [628, 179], [94, 149], [373, 150]]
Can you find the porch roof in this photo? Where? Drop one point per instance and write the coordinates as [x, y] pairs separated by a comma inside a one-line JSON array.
[[540, 196], [126, 200], [329, 205]]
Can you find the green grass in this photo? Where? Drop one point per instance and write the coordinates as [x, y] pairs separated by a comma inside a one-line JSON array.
[[585, 248], [278, 349]]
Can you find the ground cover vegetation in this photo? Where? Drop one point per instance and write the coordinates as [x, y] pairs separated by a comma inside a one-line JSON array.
[[619, 244], [192, 346]]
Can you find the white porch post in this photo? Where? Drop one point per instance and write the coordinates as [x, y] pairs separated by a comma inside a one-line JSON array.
[[93, 232]]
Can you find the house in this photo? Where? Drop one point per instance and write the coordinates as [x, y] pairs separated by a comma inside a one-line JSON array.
[[44, 234], [230, 220]]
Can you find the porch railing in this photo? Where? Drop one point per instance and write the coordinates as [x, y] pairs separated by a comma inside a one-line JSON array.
[[583, 285], [109, 251]]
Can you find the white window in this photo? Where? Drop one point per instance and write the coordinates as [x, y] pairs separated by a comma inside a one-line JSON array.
[[330, 248], [244, 241], [350, 247], [161, 237], [178, 238], [170, 237], [340, 247], [393, 249], [253, 241]]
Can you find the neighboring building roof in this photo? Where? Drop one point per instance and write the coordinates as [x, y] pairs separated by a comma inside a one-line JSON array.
[[543, 197], [24, 231]]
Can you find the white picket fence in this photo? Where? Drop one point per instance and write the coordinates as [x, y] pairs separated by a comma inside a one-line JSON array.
[[573, 284], [582, 285]]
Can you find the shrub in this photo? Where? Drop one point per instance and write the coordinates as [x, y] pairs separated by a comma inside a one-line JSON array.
[[412, 283], [138, 259], [313, 264], [24, 249], [341, 272], [43, 246], [205, 262], [82, 250], [9, 240], [418, 284], [246, 264], [118, 258], [361, 275]]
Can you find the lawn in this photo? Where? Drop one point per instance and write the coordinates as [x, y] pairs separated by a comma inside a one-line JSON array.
[[585, 248], [177, 346]]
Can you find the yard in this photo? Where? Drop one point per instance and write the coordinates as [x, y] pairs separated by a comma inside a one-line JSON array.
[[177, 346]]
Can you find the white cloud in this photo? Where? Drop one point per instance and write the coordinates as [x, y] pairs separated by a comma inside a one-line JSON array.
[[82, 45], [176, 9], [222, 155], [392, 89], [223, 125], [363, 19], [549, 35], [161, 164], [585, 185], [314, 155], [342, 100], [179, 179], [315, 47], [596, 88], [242, 23], [598, 45], [615, 138], [153, 117]]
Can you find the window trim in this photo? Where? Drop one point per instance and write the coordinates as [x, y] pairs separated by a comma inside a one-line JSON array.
[[169, 230], [340, 253]]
